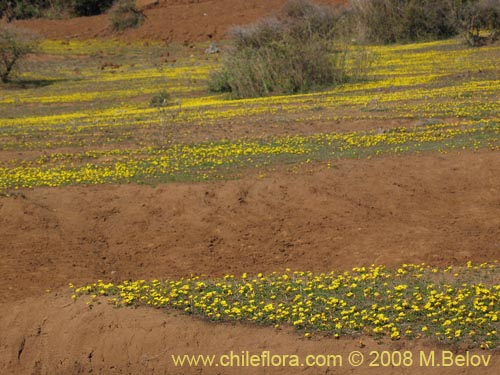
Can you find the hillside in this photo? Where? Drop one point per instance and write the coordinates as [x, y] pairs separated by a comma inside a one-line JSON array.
[[168, 20]]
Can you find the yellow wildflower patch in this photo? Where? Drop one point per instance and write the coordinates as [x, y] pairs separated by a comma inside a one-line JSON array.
[[417, 302]]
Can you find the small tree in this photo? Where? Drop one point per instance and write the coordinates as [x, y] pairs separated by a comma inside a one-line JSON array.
[[478, 20], [15, 44]]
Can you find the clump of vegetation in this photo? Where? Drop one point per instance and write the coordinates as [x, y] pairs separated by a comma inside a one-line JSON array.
[[22, 9], [450, 305], [15, 44], [478, 21], [392, 21], [396, 21], [91, 7], [25, 9], [124, 15], [293, 52], [162, 99], [302, 48]]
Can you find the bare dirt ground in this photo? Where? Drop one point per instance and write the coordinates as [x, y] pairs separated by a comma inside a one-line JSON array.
[[438, 209], [168, 20], [48, 335]]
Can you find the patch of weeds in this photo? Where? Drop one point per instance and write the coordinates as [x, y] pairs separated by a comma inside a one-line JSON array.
[[162, 99]]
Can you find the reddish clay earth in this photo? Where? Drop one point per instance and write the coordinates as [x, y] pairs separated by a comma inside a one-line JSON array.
[[168, 20], [438, 209], [48, 335], [433, 208]]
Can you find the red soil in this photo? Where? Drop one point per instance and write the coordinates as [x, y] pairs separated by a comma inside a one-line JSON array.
[[439, 209], [436, 209], [50, 335], [169, 20]]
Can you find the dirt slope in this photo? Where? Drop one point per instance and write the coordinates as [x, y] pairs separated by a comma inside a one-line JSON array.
[[439, 209], [48, 335], [169, 20]]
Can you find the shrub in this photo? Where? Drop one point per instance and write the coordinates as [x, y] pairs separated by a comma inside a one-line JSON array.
[[394, 21], [22, 9], [476, 16], [124, 15], [91, 7], [293, 52], [219, 81], [307, 18], [391, 21], [162, 99], [15, 44]]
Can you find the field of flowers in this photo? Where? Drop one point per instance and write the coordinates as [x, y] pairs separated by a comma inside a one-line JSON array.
[[451, 305], [80, 114]]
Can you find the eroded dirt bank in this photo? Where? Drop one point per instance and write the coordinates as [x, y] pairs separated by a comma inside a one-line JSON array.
[[52, 335], [438, 209]]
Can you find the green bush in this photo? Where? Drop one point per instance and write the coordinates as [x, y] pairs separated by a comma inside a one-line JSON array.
[[219, 81], [91, 7], [162, 99], [391, 21], [395, 21], [22, 9], [125, 15], [478, 20], [294, 52]]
